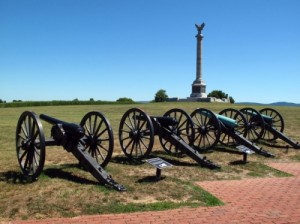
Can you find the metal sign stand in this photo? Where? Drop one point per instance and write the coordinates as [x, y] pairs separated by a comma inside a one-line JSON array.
[[159, 164], [245, 150]]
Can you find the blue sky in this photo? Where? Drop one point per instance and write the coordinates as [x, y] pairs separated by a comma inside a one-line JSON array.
[[107, 49]]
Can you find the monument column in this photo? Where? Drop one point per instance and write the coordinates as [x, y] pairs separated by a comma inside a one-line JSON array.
[[199, 86]]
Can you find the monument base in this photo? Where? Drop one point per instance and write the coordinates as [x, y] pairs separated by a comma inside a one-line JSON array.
[[205, 99], [198, 89], [198, 95], [199, 99]]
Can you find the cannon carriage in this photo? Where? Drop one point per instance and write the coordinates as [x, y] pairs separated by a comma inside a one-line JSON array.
[[266, 124], [175, 131], [91, 143], [229, 128]]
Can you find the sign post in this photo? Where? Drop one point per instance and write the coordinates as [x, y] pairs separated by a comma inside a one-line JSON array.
[[159, 164]]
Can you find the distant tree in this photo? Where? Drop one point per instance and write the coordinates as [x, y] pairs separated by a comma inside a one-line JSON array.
[[221, 95], [160, 96], [1, 101], [92, 99], [76, 100], [218, 94], [16, 101], [124, 99]]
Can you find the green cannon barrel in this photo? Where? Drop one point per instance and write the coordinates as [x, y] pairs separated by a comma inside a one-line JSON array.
[[225, 120], [267, 119]]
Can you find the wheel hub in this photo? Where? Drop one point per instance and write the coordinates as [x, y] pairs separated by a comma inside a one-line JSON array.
[[27, 144], [135, 135], [202, 130], [92, 141]]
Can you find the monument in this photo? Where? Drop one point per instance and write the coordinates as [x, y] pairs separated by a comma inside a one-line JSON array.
[[199, 86]]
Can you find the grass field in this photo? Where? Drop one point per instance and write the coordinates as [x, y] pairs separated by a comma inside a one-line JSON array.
[[65, 190]]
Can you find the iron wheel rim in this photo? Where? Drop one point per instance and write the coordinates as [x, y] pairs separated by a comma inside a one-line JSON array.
[[30, 144], [241, 128], [136, 134], [207, 129], [184, 129], [277, 123], [99, 138], [255, 124]]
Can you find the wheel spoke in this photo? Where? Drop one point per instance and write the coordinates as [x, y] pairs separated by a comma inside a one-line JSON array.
[[98, 128]]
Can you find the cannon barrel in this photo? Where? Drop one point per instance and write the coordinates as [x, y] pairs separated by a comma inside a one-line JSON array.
[[225, 120], [164, 121], [266, 118], [71, 129]]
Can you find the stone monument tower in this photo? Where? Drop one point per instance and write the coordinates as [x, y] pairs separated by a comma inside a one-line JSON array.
[[199, 86]]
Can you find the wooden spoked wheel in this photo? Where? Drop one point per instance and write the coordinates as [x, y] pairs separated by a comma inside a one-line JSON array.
[[136, 134], [30, 145], [276, 122], [255, 124], [240, 129], [207, 129], [184, 129], [99, 138]]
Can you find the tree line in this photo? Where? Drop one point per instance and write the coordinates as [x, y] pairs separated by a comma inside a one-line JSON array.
[[20, 103], [162, 96]]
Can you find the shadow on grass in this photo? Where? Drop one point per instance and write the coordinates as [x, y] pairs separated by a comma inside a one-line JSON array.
[[136, 162], [126, 161], [273, 144], [238, 162], [14, 177], [61, 174], [150, 179], [173, 158], [233, 151], [228, 150]]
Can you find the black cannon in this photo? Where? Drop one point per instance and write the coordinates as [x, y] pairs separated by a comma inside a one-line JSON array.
[[91, 143], [229, 127], [175, 131], [266, 124]]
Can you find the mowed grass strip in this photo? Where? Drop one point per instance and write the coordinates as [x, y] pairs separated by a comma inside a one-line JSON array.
[[65, 190]]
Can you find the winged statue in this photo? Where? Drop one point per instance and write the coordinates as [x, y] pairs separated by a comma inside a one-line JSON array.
[[200, 27]]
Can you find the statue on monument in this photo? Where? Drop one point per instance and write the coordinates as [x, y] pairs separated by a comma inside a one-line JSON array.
[[200, 27]]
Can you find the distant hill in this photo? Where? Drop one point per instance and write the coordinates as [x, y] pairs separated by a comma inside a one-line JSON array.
[[285, 104]]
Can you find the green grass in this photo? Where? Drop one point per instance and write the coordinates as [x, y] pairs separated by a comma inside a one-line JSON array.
[[65, 190], [197, 197], [296, 157], [262, 170]]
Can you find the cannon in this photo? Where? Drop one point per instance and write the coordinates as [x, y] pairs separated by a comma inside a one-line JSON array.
[[174, 129], [266, 124], [91, 143], [229, 128]]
